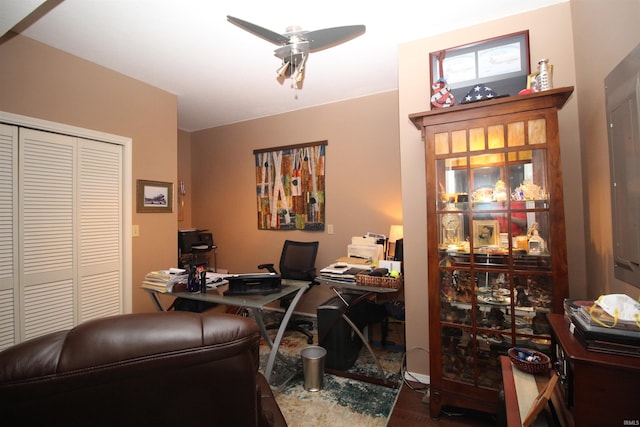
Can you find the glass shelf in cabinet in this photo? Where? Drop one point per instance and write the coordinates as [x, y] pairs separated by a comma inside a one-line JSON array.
[[523, 261], [456, 313], [443, 205], [453, 258]]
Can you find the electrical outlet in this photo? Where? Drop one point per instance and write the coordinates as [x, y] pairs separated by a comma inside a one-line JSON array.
[[329, 228]]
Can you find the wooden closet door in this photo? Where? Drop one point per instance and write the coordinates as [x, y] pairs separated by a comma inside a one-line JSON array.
[[61, 232], [47, 260], [100, 230], [62, 213], [8, 229]]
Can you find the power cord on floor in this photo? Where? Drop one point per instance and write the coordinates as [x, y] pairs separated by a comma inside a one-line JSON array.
[[403, 371], [453, 414]]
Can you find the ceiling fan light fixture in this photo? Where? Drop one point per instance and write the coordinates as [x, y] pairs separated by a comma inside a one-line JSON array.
[[299, 73], [296, 78], [296, 44], [282, 69]]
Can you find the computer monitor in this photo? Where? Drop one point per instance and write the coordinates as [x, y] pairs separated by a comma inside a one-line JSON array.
[[399, 250]]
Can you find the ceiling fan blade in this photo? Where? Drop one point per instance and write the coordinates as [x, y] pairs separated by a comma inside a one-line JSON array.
[[257, 30], [322, 39]]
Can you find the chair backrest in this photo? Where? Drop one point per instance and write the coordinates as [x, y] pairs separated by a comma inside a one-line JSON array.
[[298, 260]]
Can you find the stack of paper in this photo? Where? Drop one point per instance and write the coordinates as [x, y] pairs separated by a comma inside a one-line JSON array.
[[164, 280], [343, 271], [354, 262]]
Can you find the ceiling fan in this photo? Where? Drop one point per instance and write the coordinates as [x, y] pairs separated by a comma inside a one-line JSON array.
[[296, 44]]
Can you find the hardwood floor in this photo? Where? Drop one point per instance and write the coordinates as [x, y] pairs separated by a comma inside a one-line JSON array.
[[411, 411]]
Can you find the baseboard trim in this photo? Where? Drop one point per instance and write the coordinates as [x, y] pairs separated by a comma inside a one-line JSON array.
[[412, 376]]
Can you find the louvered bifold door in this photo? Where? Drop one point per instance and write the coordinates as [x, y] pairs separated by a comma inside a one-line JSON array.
[[47, 250], [100, 229], [8, 232]]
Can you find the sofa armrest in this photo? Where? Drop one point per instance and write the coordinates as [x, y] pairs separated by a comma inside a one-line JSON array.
[[271, 414]]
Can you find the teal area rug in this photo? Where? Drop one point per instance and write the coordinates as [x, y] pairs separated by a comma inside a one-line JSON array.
[[342, 401]]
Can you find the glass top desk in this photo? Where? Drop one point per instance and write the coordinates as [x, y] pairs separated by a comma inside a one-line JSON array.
[[255, 303], [338, 286]]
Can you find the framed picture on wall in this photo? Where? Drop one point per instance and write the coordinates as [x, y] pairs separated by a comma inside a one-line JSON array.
[[154, 196], [501, 63]]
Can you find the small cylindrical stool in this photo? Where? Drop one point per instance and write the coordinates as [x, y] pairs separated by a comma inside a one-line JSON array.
[[313, 367]]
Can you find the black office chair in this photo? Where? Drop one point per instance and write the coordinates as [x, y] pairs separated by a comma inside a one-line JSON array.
[[297, 262]]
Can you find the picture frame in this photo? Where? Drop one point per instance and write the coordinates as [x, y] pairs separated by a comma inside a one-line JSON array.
[[486, 233], [502, 63], [540, 401], [154, 196]]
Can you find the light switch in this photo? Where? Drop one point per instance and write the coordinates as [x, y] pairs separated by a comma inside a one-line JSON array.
[[135, 230]]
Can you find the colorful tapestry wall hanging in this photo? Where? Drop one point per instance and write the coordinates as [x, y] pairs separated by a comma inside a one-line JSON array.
[[290, 183]]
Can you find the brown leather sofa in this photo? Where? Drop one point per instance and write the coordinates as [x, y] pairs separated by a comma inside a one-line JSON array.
[[169, 368]]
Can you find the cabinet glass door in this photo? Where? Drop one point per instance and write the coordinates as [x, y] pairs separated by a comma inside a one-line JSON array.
[[495, 247]]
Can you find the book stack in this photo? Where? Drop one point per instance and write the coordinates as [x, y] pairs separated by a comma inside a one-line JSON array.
[[164, 280], [600, 332], [343, 272]]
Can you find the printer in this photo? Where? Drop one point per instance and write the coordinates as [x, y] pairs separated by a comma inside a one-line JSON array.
[[253, 284]]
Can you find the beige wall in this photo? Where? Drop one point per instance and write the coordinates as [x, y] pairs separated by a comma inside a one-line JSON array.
[[184, 175], [362, 180], [550, 37], [45, 83], [604, 33]]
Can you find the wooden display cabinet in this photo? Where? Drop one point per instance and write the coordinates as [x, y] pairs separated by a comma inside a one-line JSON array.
[[497, 260]]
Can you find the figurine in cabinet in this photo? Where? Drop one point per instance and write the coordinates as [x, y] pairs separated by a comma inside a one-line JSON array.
[[522, 299], [496, 318]]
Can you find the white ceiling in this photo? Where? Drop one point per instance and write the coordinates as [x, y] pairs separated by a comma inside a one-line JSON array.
[[222, 74]]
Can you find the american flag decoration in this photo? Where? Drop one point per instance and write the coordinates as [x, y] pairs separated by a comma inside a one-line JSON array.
[[479, 93]]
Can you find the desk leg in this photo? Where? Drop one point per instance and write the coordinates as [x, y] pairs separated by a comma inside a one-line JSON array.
[[257, 314], [281, 330], [357, 331], [366, 343], [155, 300]]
